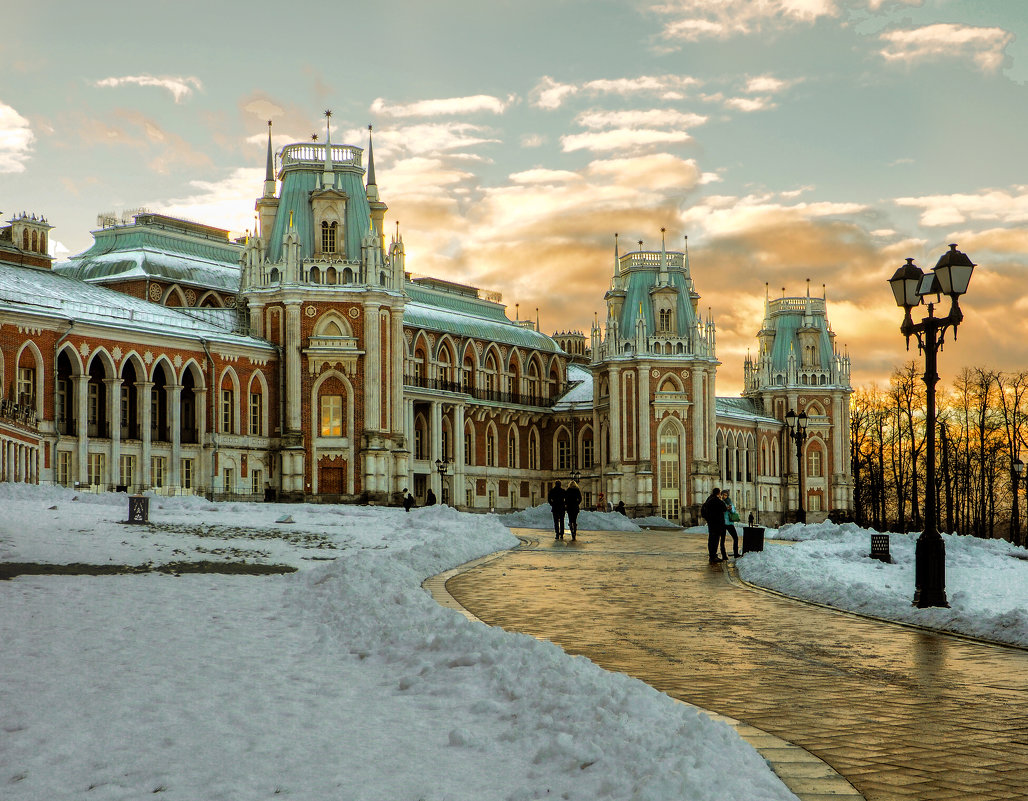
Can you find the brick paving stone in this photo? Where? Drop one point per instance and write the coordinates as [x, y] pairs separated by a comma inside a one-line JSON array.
[[901, 713]]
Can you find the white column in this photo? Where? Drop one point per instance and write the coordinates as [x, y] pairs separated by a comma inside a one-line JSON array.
[[114, 420], [175, 421], [82, 404], [615, 415], [292, 353], [144, 389], [697, 411], [372, 370], [435, 434], [644, 413], [202, 469], [459, 457]]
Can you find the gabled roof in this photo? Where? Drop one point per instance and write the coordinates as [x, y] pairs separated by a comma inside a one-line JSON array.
[[579, 397]]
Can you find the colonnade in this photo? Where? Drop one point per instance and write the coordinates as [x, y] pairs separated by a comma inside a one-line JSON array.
[[19, 461]]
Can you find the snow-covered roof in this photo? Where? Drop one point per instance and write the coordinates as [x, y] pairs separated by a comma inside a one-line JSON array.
[[744, 408], [580, 396], [52, 295]]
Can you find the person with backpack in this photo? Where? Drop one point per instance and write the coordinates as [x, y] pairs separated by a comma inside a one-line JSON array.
[[731, 517]]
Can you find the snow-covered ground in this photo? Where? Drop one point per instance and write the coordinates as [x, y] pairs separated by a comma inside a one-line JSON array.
[[342, 681], [986, 580]]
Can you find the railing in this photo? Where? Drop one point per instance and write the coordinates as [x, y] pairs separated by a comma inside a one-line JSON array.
[[22, 413], [342, 155], [492, 395]]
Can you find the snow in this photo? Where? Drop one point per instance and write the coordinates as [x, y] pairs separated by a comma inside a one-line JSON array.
[[343, 680], [986, 580]]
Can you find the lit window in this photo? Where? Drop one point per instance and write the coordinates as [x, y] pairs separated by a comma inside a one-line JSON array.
[[331, 415]]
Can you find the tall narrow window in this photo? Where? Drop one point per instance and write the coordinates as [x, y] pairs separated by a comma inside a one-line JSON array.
[[96, 469], [158, 466], [227, 408], [668, 468], [187, 473], [64, 468], [256, 409], [564, 453], [512, 450], [814, 463], [490, 449], [533, 453], [257, 482], [228, 479], [328, 236], [127, 470], [469, 454], [27, 386], [587, 454], [331, 415]]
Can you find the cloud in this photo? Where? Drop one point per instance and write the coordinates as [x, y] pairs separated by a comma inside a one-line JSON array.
[[540, 175], [693, 20], [444, 106], [983, 46], [749, 104], [652, 118], [622, 139], [430, 138], [533, 140], [16, 138], [1008, 206], [180, 87], [226, 203], [549, 94], [766, 84]]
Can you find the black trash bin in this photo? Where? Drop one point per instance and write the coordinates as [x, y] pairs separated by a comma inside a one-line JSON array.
[[139, 509], [752, 538]]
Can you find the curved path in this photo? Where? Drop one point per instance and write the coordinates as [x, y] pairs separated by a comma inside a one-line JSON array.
[[900, 713]]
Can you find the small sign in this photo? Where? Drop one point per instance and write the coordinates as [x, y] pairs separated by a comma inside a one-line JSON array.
[[139, 509]]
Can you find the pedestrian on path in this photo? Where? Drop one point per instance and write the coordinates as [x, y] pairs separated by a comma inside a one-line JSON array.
[[731, 517], [408, 500], [714, 511], [573, 501], [556, 501]]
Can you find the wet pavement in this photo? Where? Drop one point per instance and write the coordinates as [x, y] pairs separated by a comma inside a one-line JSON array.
[[900, 713]]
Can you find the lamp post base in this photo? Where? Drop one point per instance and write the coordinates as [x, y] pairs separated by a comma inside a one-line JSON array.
[[930, 571]]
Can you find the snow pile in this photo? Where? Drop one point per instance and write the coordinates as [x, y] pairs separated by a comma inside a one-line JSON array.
[[986, 580], [344, 680]]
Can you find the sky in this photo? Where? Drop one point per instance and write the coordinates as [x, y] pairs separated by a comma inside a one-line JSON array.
[[347, 679], [789, 140]]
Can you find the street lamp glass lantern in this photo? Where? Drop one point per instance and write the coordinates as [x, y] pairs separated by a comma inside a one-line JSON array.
[[906, 282], [802, 420], [790, 418], [1018, 466], [954, 272]]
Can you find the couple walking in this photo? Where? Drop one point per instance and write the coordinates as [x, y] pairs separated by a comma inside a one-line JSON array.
[[719, 512], [565, 500]]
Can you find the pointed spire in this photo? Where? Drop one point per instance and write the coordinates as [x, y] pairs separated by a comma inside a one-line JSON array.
[[371, 161], [269, 173], [327, 178]]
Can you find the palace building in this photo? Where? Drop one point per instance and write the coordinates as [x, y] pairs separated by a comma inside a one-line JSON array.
[[305, 362]]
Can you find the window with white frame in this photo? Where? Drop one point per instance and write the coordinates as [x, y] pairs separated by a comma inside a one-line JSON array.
[[587, 453], [257, 482], [564, 453], [96, 469], [512, 450], [64, 468], [186, 469], [127, 470], [158, 470], [228, 479], [228, 402], [814, 463], [256, 409], [27, 386]]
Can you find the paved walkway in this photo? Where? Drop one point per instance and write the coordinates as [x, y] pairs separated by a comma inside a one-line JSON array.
[[902, 714]]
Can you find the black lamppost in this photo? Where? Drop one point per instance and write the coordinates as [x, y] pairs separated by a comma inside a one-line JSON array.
[[1016, 473], [911, 285], [441, 465], [796, 425]]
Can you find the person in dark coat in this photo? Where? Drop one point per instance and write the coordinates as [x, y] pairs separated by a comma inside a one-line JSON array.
[[430, 499], [408, 500], [620, 508], [556, 501], [573, 502], [714, 511], [730, 517]]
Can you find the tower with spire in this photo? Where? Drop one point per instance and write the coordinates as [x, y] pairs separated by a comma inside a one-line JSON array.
[[654, 364], [799, 368], [319, 283]]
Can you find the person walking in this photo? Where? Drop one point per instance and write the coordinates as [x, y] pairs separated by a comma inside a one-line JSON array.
[[713, 511], [731, 517], [408, 500], [572, 502], [556, 501]]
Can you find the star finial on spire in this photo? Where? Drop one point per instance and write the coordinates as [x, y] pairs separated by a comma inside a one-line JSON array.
[[328, 113], [314, 137]]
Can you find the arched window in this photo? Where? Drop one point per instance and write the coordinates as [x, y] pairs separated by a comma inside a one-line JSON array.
[[533, 450], [25, 239], [512, 450], [490, 448], [35, 241], [669, 474]]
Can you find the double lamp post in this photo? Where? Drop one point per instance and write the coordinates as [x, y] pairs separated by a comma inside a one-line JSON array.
[[911, 287]]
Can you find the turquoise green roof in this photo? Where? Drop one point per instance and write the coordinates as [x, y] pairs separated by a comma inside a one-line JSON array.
[[637, 290], [467, 316], [295, 195], [159, 247], [787, 341]]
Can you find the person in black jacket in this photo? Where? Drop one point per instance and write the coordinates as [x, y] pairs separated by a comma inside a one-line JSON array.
[[573, 501], [408, 500], [714, 511], [556, 501], [430, 499]]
